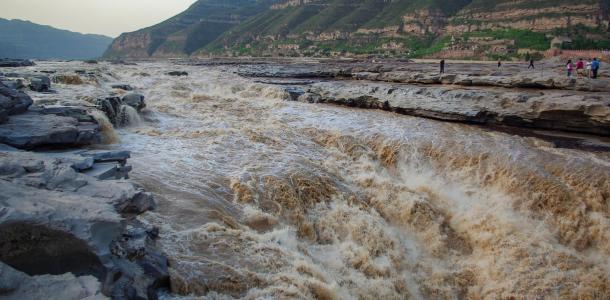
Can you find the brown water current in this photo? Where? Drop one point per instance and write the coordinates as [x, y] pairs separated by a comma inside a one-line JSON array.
[[265, 198]]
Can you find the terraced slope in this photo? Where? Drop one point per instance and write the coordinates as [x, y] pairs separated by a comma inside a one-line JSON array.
[[362, 27]]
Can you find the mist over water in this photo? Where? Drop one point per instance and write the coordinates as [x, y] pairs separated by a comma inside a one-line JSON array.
[[264, 198]]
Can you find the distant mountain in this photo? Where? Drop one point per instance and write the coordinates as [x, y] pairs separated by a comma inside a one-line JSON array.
[[415, 28], [24, 39]]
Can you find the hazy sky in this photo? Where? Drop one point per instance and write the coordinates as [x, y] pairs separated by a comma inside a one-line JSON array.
[[108, 17]]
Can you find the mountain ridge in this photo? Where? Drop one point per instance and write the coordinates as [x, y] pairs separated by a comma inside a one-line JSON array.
[[27, 40], [363, 27]]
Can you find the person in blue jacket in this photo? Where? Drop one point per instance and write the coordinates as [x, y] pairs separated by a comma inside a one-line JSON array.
[[595, 67]]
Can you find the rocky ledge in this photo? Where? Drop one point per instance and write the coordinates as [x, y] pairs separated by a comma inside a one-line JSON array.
[[69, 222], [412, 73], [58, 223], [543, 109]]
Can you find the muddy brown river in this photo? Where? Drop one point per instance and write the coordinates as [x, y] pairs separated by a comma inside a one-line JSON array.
[[263, 198]]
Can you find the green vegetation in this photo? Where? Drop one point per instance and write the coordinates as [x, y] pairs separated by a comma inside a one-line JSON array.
[[361, 27], [524, 39]]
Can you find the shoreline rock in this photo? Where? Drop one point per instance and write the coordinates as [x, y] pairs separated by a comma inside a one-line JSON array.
[[583, 113], [56, 220]]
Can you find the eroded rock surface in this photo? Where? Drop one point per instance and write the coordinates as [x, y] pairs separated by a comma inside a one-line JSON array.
[[32, 130], [73, 229], [581, 112], [12, 102]]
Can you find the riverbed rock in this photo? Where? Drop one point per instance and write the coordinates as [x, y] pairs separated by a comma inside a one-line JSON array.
[[16, 285], [12, 102], [61, 224], [555, 110], [78, 112], [178, 73], [40, 83], [15, 84], [33, 130], [135, 100]]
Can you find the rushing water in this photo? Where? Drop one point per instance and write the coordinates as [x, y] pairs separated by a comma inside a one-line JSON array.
[[265, 198]]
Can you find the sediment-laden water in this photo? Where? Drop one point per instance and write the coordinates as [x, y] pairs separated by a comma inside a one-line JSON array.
[[265, 198]]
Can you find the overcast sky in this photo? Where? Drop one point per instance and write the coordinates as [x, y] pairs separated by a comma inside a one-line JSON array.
[[108, 17]]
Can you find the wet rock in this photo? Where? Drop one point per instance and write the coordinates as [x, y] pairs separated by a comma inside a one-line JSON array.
[[111, 107], [15, 63], [135, 100], [12, 102], [78, 112], [294, 92], [16, 285], [55, 222], [40, 83], [125, 87], [309, 98], [556, 110], [33, 130], [91, 61], [15, 84], [177, 73], [141, 202]]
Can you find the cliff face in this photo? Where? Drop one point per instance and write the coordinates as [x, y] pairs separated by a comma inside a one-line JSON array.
[[535, 15], [314, 27]]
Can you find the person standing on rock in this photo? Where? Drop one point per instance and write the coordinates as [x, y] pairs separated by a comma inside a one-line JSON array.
[[531, 66], [588, 68], [499, 64], [595, 67], [570, 68], [442, 66], [580, 68]]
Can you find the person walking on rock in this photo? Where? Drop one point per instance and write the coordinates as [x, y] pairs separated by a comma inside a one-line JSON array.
[[595, 67], [531, 66], [570, 68], [580, 68], [442, 66]]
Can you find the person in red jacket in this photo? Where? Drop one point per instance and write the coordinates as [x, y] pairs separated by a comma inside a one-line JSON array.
[[580, 68]]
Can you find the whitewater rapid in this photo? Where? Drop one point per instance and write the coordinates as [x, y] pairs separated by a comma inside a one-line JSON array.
[[260, 197]]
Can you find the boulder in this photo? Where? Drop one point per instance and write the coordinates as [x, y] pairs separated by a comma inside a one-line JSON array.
[[34, 130], [12, 102], [134, 100], [111, 106], [15, 84], [177, 73], [40, 83]]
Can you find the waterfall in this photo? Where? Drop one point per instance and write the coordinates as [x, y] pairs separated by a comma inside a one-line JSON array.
[[109, 136], [128, 116]]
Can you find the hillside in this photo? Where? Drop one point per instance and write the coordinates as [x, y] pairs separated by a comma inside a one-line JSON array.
[[192, 29], [23, 39], [412, 28]]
